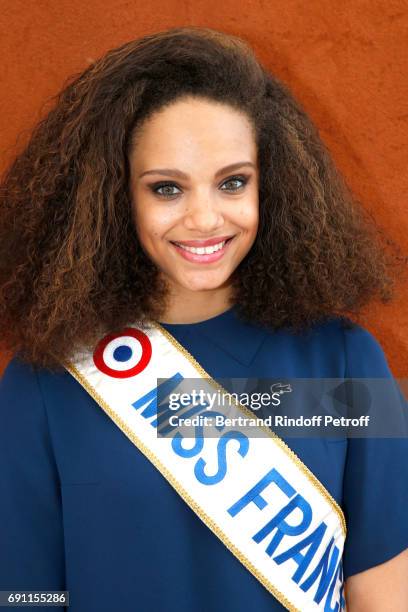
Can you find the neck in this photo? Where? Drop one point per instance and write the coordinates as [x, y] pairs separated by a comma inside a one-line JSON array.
[[186, 306]]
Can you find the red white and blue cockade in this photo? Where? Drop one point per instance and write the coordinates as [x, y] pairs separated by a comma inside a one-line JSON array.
[[124, 354]]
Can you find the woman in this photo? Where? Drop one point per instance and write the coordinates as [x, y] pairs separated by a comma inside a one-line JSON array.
[[176, 209]]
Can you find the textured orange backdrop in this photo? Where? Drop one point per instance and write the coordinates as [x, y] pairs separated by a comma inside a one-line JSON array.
[[346, 63]]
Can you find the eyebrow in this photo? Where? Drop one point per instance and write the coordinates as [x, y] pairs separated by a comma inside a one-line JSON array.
[[178, 173]]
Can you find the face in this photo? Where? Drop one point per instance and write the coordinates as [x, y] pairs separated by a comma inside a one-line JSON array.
[[194, 188]]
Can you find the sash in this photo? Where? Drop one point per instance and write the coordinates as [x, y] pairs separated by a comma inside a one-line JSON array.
[[253, 493]]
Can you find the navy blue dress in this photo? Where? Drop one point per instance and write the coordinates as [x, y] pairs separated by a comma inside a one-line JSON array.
[[81, 509]]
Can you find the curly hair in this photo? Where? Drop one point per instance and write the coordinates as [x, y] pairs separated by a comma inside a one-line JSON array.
[[71, 265]]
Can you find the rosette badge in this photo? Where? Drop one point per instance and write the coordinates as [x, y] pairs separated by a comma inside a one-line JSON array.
[[124, 354]]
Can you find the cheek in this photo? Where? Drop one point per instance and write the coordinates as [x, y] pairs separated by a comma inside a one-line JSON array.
[[148, 233], [150, 223], [248, 218]]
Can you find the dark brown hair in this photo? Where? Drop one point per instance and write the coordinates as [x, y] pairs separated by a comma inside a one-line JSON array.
[[71, 266]]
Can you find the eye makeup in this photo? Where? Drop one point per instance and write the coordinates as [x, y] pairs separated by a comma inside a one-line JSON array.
[[154, 187]]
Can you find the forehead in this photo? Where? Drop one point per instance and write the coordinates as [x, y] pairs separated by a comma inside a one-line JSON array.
[[195, 127]]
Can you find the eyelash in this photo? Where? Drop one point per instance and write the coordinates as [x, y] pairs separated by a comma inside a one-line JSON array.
[[154, 188]]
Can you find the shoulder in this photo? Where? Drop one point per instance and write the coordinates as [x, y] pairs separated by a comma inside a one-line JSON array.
[[363, 353], [344, 328], [19, 379], [23, 389], [25, 378], [22, 413]]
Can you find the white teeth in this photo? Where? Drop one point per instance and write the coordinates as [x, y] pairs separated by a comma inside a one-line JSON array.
[[203, 250]]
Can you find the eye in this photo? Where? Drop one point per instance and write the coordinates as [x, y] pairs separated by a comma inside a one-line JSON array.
[[236, 179], [168, 194], [166, 186]]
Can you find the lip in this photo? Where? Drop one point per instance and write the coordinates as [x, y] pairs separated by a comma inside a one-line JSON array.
[[203, 243], [206, 258]]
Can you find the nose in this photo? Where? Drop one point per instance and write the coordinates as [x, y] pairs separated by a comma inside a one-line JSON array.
[[203, 215]]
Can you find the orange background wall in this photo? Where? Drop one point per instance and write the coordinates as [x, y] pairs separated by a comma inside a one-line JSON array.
[[345, 62]]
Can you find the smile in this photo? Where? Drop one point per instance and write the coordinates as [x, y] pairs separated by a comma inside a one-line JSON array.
[[203, 254], [202, 250]]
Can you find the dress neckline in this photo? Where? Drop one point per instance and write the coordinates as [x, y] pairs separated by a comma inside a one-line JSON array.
[[220, 317]]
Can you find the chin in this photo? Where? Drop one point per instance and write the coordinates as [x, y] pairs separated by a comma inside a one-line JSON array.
[[202, 285]]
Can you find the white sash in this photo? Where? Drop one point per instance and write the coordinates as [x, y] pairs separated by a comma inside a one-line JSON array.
[[254, 493]]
